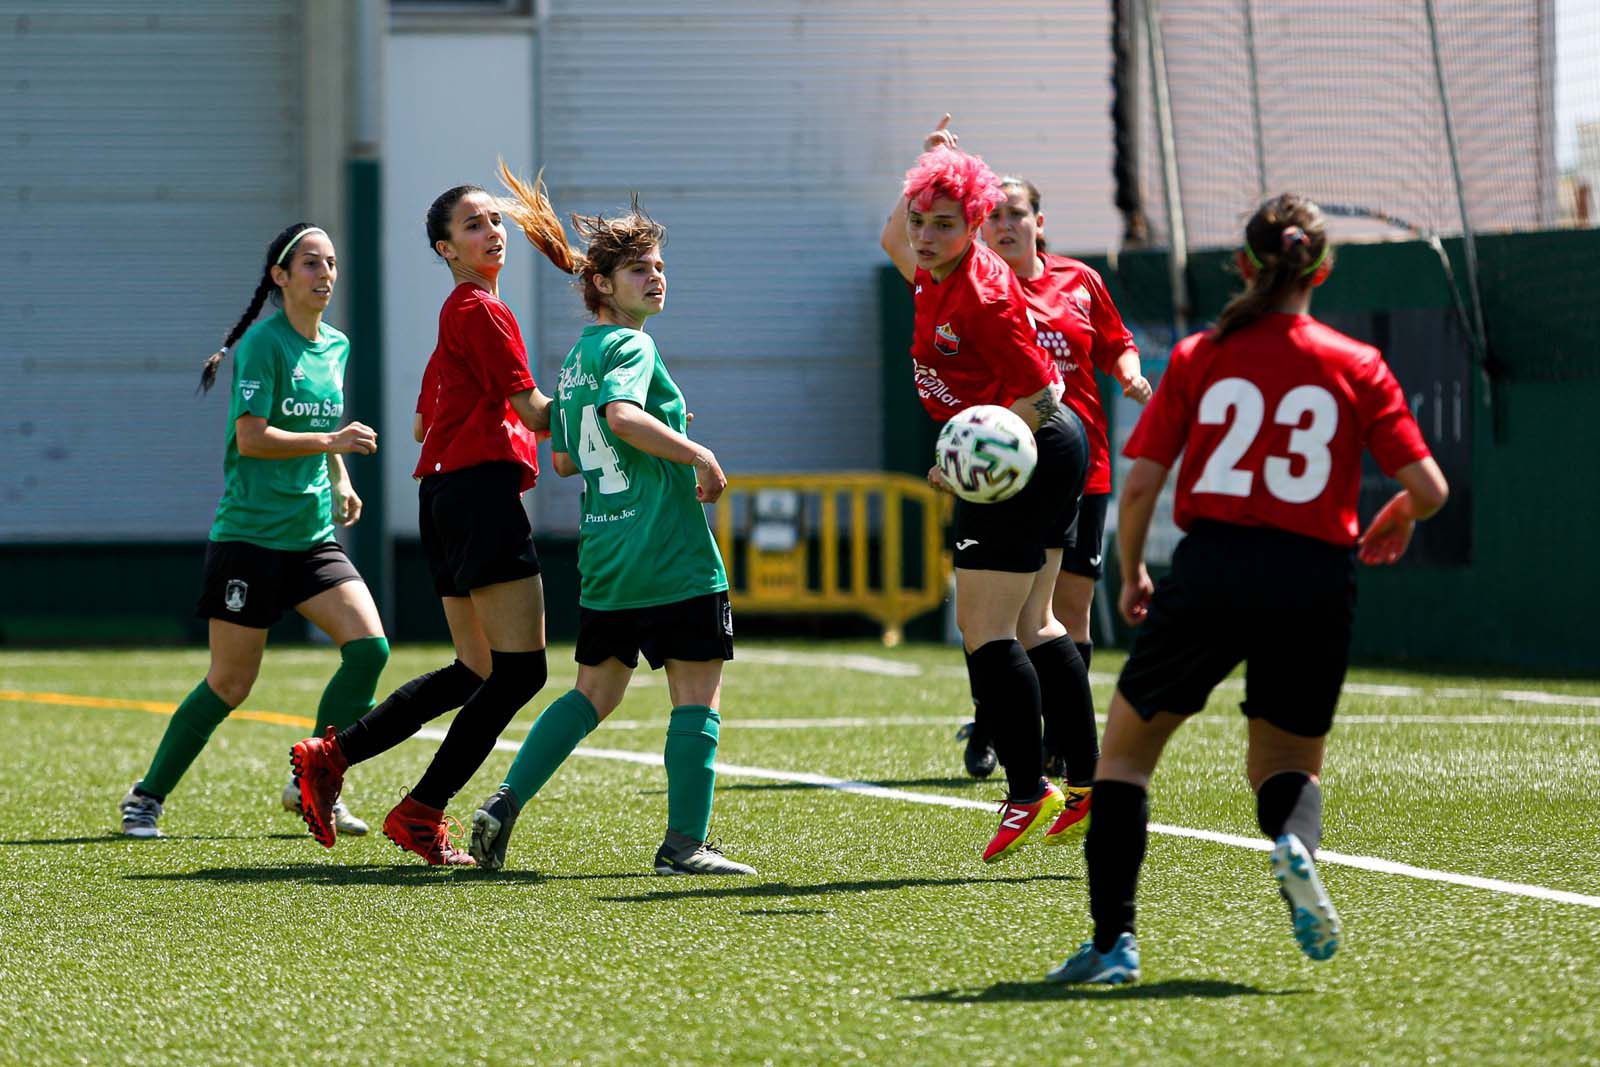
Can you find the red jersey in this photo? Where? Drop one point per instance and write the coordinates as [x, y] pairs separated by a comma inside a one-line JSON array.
[[1271, 424], [1080, 328], [973, 341], [478, 364]]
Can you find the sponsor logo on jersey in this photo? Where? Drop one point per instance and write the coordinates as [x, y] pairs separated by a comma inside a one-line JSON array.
[[234, 595], [300, 409], [248, 387], [929, 384], [945, 341], [571, 378]]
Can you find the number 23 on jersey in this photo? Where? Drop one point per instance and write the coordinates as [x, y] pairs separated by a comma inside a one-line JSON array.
[[1240, 400]]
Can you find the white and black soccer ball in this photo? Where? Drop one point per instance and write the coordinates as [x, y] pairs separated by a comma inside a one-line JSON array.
[[986, 453]]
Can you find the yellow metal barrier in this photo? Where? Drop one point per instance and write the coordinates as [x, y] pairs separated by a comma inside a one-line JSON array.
[[787, 528]]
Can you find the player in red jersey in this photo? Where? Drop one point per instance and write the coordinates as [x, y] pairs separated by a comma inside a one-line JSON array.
[[476, 417], [974, 343], [1271, 412]]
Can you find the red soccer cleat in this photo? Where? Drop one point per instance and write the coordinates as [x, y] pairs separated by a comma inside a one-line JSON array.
[[415, 827], [1074, 818], [319, 767], [1019, 822]]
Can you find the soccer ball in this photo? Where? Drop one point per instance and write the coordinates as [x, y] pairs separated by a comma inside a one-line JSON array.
[[986, 453]]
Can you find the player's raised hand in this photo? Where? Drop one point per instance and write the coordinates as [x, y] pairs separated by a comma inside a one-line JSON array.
[[941, 136]]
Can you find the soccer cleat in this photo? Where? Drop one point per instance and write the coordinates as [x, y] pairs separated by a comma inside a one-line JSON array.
[[1074, 817], [979, 756], [682, 854], [1019, 822], [491, 828], [1316, 924], [415, 827], [319, 767], [1088, 967], [139, 813]]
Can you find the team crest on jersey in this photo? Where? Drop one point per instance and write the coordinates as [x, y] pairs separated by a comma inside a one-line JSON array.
[[945, 341], [1081, 297], [248, 388], [233, 596]]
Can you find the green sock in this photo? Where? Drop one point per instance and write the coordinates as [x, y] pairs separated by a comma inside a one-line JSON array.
[[350, 690], [191, 726], [691, 756], [556, 732]]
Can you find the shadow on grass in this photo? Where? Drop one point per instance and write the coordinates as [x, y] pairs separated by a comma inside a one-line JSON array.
[[369, 874], [112, 836], [784, 889], [886, 783], [1172, 989]]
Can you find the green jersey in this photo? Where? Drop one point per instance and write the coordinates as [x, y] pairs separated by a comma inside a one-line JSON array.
[[298, 386], [644, 539]]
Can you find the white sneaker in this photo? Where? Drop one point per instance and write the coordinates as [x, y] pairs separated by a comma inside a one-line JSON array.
[[343, 821], [139, 814], [1316, 924], [682, 854]]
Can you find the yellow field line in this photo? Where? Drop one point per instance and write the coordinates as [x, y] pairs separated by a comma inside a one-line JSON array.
[[154, 707]]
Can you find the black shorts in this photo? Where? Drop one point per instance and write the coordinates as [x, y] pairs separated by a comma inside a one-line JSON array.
[[697, 630], [474, 530], [253, 586], [1281, 603], [1087, 538], [1012, 534]]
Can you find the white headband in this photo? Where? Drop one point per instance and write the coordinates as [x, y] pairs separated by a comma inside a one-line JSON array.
[[296, 240]]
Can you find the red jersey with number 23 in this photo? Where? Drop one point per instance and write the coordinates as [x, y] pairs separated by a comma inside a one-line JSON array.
[[974, 341], [1272, 423], [479, 363], [1080, 328]]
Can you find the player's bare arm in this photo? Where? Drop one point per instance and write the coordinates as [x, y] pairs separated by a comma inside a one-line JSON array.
[[1423, 492], [1138, 504], [1037, 409], [346, 501], [893, 240], [650, 435], [533, 408], [258, 440], [1129, 375]]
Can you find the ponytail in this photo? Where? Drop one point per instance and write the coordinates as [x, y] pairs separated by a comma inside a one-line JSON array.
[[265, 288], [536, 217], [1286, 242]]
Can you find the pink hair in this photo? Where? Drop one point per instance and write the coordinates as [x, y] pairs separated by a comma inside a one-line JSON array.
[[952, 173]]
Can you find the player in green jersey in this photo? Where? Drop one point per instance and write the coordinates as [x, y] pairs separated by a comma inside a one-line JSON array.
[[272, 546], [652, 578]]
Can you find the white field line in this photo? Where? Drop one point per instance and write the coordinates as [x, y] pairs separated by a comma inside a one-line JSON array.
[[864, 722], [843, 785]]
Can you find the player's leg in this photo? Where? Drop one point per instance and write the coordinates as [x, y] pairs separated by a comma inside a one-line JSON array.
[[240, 597], [339, 604]]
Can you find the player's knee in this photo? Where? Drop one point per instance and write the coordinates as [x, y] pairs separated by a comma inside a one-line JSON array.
[[519, 675], [366, 656], [231, 688]]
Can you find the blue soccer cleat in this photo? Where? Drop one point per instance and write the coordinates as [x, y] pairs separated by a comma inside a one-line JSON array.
[[1316, 924], [1088, 967]]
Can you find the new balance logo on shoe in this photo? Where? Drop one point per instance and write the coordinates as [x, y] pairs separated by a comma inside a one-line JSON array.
[[1015, 818]]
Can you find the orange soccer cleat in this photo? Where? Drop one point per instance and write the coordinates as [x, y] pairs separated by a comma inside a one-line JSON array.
[[415, 827], [1019, 822], [319, 767]]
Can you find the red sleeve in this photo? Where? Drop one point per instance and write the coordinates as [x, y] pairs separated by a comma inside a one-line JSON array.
[[1388, 429], [1009, 342], [495, 346], [1111, 335], [428, 396], [1163, 427]]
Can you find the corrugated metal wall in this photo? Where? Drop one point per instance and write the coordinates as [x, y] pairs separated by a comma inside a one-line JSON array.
[[771, 139], [151, 151]]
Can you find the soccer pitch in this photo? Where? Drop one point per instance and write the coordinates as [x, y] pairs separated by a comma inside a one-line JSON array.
[[1459, 848]]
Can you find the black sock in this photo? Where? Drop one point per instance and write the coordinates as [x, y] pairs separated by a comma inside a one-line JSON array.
[[403, 712], [1114, 850], [1008, 697], [980, 732], [513, 680], [1068, 707], [1085, 652], [1287, 803]]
